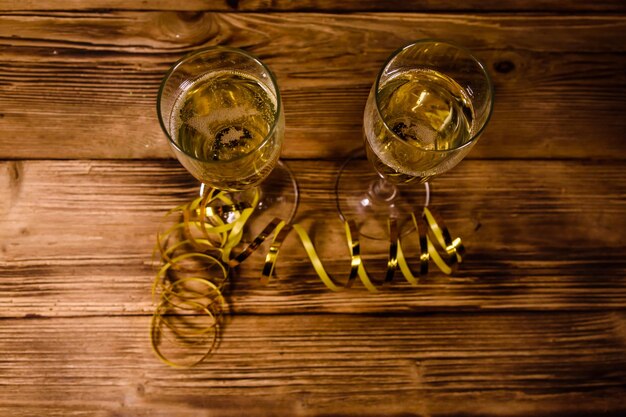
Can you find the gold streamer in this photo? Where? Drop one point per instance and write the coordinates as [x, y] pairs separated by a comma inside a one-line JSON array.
[[197, 254]]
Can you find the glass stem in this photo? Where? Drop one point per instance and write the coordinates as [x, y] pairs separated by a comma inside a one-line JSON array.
[[382, 191]]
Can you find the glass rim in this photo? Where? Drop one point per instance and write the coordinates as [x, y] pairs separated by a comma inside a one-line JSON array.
[[217, 48], [480, 64]]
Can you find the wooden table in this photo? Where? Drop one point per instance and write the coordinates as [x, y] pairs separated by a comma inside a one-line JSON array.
[[533, 323]]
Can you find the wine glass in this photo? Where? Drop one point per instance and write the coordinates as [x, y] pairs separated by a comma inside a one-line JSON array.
[[221, 110], [429, 104]]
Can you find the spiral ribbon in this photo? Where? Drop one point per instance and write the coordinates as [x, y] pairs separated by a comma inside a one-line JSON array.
[[197, 252]]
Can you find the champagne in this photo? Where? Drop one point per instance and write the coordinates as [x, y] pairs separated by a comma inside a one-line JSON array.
[[225, 117], [425, 114]]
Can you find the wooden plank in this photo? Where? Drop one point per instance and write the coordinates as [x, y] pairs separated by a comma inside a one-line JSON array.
[[77, 238], [305, 365], [320, 5], [85, 84]]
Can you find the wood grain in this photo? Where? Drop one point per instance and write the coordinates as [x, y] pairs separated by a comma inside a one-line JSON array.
[[541, 235], [305, 365], [321, 5], [83, 85], [534, 323]]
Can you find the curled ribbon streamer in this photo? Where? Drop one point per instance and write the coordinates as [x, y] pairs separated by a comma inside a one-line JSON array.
[[198, 251], [192, 254], [159, 322], [424, 255], [453, 248]]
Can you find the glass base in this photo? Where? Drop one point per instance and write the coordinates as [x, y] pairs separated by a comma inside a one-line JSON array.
[[278, 198], [363, 196]]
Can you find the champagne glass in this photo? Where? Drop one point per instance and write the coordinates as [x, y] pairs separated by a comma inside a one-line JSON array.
[[221, 110], [429, 104]]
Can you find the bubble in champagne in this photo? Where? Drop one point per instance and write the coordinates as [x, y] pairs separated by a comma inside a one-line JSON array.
[[223, 116]]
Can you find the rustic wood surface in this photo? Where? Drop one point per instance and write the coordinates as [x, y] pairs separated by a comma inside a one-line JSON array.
[[434, 364], [321, 5], [538, 234], [533, 324], [556, 78]]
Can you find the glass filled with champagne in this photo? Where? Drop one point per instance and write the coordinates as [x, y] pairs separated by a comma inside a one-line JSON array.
[[428, 106], [221, 110]]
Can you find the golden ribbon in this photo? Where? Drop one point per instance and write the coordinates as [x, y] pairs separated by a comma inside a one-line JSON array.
[[197, 253]]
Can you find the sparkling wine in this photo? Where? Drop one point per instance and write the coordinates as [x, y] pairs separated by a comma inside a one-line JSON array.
[[423, 113], [223, 117]]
